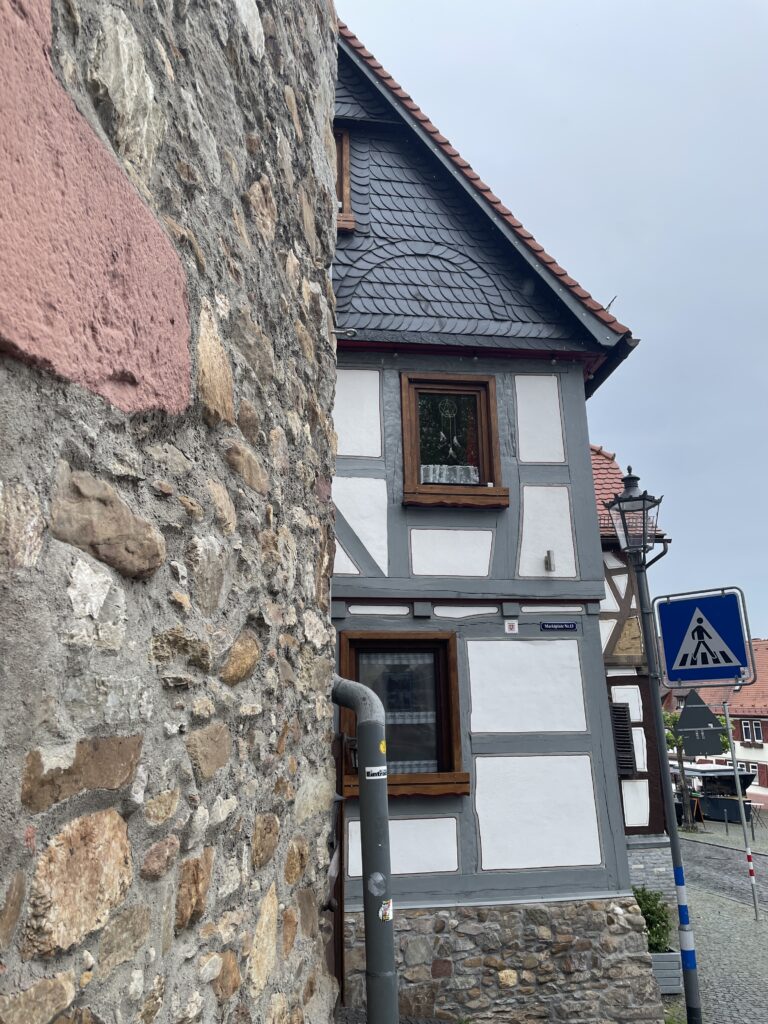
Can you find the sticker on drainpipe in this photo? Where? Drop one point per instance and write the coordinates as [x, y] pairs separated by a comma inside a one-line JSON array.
[[376, 773], [386, 910]]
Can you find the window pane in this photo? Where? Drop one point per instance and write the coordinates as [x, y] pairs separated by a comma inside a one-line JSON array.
[[449, 444], [406, 683], [758, 731]]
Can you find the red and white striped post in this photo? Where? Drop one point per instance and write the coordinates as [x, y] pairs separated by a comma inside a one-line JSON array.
[[742, 813]]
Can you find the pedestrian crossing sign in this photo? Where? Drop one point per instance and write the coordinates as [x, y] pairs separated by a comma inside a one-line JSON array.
[[705, 639]]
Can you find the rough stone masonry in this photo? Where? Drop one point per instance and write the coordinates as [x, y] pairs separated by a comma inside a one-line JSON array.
[[167, 217]]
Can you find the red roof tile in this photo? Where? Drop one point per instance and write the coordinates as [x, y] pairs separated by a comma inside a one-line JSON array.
[[749, 700], [607, 475], [473, 177]]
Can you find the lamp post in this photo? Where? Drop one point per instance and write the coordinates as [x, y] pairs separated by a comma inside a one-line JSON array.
[[634, 515]]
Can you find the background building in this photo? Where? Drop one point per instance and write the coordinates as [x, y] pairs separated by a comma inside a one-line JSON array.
[[468, 580]]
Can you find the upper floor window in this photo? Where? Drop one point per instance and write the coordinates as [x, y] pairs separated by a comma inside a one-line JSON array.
[[345, 220], [451, 441], [757, 731], [746, 732]]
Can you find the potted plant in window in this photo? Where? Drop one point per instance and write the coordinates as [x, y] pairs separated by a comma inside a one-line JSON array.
[[667, 967]]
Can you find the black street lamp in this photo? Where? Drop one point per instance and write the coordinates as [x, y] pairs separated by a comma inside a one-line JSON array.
[[634, 514]]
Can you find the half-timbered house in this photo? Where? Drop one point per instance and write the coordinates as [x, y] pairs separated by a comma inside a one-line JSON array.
[[468, 579]]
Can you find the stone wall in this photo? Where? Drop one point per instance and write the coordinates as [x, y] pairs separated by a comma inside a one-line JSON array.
[[167, 374], [585, 961]]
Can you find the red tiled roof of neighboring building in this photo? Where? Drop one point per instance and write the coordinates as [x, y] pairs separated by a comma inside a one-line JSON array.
[[607, 475], [479, 185], [750, 700]]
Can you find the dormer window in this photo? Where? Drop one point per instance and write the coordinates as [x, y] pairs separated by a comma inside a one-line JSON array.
[[345, 220], [450, 442]]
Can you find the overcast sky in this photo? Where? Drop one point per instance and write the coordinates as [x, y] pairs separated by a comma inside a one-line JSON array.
[[630, 138]]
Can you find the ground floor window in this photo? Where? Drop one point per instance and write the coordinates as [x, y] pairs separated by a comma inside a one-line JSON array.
[[415, 676]]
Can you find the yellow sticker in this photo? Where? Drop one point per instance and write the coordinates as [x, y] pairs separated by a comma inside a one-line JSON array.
[[383, 746]]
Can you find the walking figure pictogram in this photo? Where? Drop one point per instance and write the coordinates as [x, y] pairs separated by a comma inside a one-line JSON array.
[[703, 646]]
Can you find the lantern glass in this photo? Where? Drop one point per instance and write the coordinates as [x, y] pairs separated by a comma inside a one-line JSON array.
[[634, 515]]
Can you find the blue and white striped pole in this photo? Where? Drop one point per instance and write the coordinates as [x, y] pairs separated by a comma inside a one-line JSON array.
[[685, 931]]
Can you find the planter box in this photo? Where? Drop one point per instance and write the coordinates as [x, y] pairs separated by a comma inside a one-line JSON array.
[[668, 972]]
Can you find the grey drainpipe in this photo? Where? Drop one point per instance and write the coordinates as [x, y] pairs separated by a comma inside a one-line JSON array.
[[380, 974]]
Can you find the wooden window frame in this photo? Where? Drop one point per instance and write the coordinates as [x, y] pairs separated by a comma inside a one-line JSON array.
[[452, 495], [345, 219], [449, 782]]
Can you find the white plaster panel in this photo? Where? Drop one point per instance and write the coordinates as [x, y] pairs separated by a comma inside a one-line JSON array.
[[522, 686], [612, 562], [362, 500], [606, 628], [520, 827], [451, 552], [621, 670], [641, 748], [357, 413], [458, 611], [343, 564], [539, 420], [546, 526], [637, 804], [378, 609], [609, 602], [418, 846], [551, 609], [629, 695], [620, 582]]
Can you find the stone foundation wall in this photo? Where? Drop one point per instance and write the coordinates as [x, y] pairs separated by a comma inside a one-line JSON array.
[[585, 962], [167, 374]]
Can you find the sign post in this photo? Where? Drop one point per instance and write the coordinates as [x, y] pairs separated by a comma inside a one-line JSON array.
[[750, 864]]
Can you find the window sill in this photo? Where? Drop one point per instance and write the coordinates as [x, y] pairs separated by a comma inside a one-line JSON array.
[[437, 784], [345, 222], [468, 496]]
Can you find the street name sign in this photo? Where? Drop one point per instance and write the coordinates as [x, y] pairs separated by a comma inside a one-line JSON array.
[[705, 638]]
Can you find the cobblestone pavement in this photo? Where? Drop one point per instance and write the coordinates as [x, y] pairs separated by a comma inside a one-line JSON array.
[[733, 967], [724, 872], [714, 832], [730, 944]]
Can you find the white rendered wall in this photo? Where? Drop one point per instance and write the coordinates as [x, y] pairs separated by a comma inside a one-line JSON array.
[[362, 500], [546, 526], [629, 695], [641, 748], [343, 564], [418, 846], [637, 805], [521, 826], [539, 420], [460, 611], [357, 413], [451, 552], [526, 686]]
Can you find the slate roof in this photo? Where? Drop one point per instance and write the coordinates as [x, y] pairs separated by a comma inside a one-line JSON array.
[[412, 111], [749, 701], [421, 265]]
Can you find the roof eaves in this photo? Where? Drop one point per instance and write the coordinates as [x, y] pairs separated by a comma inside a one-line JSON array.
[[602, 324]]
